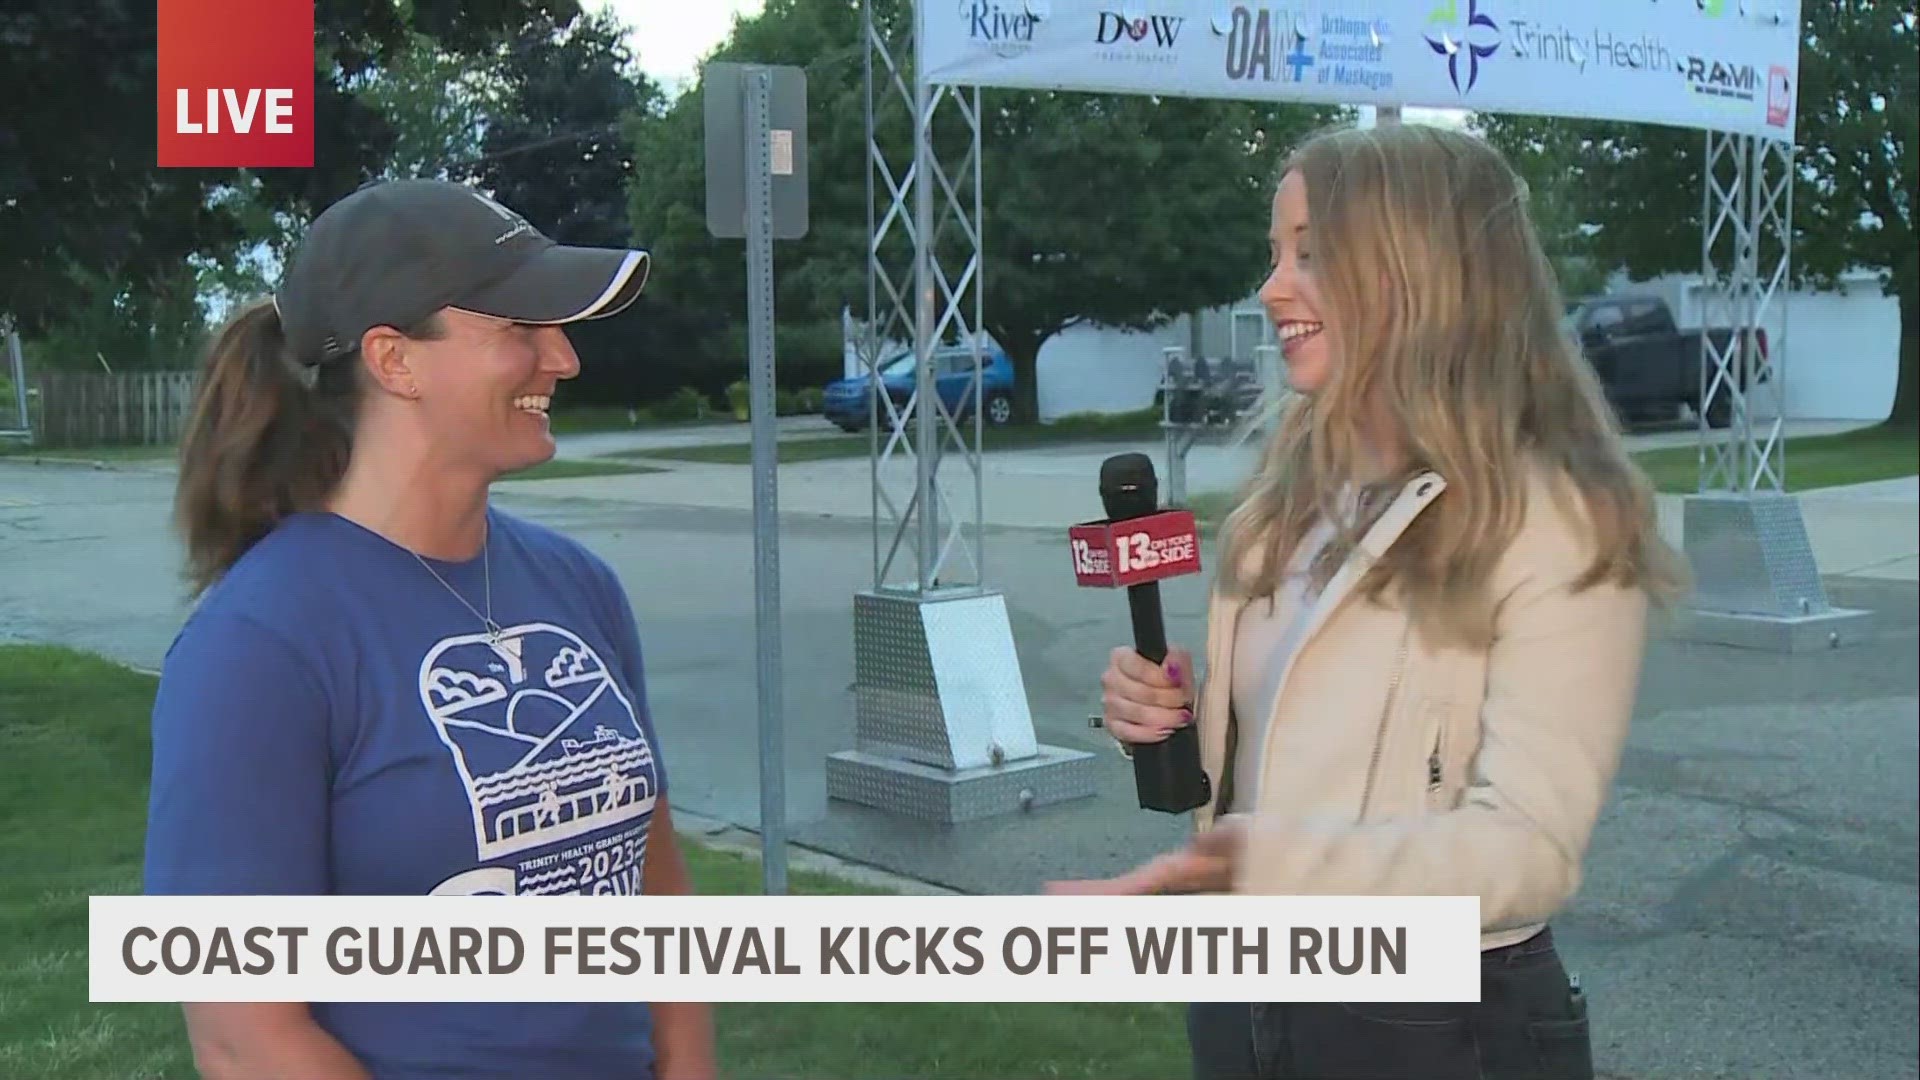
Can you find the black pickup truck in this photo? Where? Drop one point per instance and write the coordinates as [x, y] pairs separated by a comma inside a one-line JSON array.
[[1648, 365]]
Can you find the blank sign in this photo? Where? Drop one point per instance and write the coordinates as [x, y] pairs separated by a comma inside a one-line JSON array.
[[725, 88]]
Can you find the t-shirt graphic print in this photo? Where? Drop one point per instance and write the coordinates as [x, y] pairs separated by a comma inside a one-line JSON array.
[[550, 754]]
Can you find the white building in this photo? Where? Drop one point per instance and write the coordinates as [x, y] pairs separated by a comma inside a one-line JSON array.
[[1840, 350]]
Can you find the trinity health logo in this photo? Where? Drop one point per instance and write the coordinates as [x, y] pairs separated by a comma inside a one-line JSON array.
[[1463, 42]]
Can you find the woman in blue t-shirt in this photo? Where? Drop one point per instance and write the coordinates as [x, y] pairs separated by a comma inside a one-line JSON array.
[[388, 687]]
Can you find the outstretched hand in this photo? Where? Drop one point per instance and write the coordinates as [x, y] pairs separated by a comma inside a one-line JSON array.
[[1205, 865]]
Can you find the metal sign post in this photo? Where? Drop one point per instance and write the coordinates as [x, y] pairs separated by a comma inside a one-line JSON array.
[[756, 190], [17, 367]]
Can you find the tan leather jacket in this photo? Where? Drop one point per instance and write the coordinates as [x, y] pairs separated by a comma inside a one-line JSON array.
[[1393, 767]]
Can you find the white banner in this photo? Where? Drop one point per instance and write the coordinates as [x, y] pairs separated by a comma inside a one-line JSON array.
[[1726, 65], [783, 948]]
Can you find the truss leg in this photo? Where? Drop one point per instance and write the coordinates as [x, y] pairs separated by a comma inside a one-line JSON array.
[[1756, 581], [942, 727]]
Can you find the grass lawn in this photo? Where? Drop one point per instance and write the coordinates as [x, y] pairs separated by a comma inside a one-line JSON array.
[[72, 813], [1814, 461], [1117, 427], [565, 468], [593, 418]]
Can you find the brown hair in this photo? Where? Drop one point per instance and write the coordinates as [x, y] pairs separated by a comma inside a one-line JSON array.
[[1463, 353], [267, 438]]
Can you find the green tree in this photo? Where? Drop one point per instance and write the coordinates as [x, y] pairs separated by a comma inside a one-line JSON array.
[[1853, 201], [1121, 211], [558, 146], [558, 143], [437, 103], [82, 200]]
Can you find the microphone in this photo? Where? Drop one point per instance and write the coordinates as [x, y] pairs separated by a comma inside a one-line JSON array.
[[1136, 546]]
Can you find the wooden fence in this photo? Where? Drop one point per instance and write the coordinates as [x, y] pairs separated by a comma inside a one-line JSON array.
[[93, 408]]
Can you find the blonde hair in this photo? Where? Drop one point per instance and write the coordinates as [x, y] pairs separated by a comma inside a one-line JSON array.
[[1463, 357]]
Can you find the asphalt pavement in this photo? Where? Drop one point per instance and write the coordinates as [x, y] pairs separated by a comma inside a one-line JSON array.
[[1749, 909]]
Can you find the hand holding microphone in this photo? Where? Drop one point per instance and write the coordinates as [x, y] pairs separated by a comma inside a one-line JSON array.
[[1144, 702], [1147, 691]]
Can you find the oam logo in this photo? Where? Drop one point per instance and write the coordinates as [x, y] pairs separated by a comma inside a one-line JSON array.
[[1267, 44], [235, 84]]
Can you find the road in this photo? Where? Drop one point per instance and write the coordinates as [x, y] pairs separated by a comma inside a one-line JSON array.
[[1750, 903]]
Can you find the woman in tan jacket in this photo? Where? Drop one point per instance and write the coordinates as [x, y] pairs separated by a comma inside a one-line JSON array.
[[1424, 646]]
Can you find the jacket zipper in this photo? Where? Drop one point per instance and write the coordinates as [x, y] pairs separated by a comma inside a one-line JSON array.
[[1386, 711]]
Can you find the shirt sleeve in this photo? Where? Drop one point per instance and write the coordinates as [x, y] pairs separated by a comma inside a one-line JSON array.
[[241, 767], [625, 631]]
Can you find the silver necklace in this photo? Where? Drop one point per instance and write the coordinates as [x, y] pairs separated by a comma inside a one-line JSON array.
[[494, 632]]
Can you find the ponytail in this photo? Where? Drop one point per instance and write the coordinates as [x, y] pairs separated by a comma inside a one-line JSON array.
[[260, 444]]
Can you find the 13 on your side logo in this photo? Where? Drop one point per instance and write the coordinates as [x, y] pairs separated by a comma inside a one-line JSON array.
[[235, 84]]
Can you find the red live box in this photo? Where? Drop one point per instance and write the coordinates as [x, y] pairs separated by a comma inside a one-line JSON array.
[[236, 84], [1115, 554]]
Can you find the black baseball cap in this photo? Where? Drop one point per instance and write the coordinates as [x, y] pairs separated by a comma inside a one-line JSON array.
[[395, 252]]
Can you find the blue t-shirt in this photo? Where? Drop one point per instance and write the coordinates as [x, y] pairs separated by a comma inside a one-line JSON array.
[[332, 720]]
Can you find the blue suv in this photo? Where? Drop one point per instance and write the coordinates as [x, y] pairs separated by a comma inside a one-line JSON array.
[[845, 400]]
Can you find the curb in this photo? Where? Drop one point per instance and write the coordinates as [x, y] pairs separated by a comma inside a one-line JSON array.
[[58, 462], [95, 464]]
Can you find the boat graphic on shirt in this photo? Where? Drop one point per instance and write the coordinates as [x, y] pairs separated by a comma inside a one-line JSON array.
[[551, 756]]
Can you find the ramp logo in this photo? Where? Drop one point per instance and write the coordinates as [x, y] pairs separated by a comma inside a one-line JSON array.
[[1463, 44], [548, 750], [235, 84]]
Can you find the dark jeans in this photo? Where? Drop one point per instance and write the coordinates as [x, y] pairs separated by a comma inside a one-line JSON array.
[[1529, 1024]]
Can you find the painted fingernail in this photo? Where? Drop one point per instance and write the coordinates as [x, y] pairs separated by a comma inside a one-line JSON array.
[[1186, 716], [1174, 670]]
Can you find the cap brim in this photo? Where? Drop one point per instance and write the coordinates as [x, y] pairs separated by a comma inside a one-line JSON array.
[[565, 285]]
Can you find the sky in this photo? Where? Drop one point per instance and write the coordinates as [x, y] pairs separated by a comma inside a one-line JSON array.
[[671, 36]]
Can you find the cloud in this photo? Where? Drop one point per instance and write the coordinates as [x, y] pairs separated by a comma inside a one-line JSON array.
[[450, 688], [569, 665]]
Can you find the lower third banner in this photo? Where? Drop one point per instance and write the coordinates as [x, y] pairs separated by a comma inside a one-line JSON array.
[[784, 948]]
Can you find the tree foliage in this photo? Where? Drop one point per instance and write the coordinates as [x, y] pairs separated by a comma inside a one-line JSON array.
[[1853, 200], [1120, 211], [91, 223], [557, 146]]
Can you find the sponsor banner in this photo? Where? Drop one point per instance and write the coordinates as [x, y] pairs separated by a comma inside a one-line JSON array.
[[1700, 63]]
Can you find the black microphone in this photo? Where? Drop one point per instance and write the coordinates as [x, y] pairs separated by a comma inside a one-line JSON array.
[[1166, 774]]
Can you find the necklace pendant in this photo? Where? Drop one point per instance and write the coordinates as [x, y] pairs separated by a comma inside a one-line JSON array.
[[494, 632]]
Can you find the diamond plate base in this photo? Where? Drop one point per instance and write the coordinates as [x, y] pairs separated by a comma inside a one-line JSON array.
[[1756, 585], [941, 726], [947, 797]]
